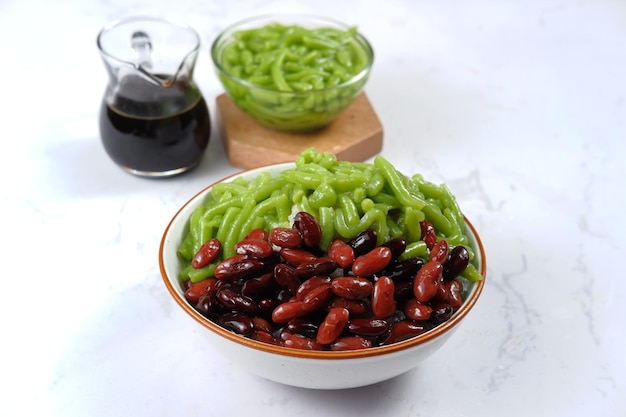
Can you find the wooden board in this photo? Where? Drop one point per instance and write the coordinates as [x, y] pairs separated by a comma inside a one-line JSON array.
[[355, 136]]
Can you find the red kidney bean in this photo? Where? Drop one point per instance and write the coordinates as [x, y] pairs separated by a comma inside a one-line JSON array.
[[442, 292], [207, 253], [341, 253], [333, 325], [221, 284], [236, 302], [267, 306], [298, 341], [455, 293], [442, 312], [285, 237], [264, 337], [355, 307], [367, 326], [426, 281], [352, 288], [403, 270], [286, 296], [403, 330], [206, 304], [282, 333], [261, 324], [383, 301], [318, 297], [257, 248], [285, 276], [397, 246], [308, 227], [416, 310], [321, 266], [428, 234], [310, 284], [242, 269], [289, 310], [303, 326], [457, 262], [283, 295], [259, 286], [364, 242], [403, 290], [221, 269], [372, 262], [258, 233], [350, 343], [439, 252], [198, 289], [297, 256], [236, 322]]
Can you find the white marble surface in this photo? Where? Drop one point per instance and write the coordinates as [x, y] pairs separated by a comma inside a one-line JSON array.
[[519, 106]]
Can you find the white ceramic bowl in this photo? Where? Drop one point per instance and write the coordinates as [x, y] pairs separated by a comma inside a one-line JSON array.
[[310, 369]]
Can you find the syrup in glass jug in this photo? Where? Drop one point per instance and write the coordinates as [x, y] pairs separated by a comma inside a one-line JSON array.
[[154, 121]]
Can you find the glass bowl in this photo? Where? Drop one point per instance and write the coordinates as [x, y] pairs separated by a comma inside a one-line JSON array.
[[294, 82]]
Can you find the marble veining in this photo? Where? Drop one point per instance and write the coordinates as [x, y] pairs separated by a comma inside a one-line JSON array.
[[517, 106]]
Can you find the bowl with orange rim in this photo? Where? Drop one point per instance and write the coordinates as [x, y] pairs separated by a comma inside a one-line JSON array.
[[314, 367]]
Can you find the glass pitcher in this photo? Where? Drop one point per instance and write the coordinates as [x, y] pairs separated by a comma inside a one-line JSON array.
[[154, 121]]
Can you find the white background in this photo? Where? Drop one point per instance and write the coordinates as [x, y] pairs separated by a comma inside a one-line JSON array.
[[519, 106]]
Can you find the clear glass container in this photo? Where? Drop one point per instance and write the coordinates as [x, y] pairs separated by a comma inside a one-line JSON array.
[[154, 121]]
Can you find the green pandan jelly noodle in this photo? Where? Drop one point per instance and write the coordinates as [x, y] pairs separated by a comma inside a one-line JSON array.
[[293, 78], [345, 197]]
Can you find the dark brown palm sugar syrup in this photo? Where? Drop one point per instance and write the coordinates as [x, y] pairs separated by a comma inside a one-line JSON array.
[[154, 131]]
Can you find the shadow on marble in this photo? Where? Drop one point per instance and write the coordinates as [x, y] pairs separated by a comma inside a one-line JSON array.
[[137, 355], [81, 167]]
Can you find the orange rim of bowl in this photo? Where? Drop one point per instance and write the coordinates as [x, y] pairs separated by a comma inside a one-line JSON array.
[[423, 338]]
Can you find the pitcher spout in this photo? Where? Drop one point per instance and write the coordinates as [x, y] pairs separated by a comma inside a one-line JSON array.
[[152, 48]]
